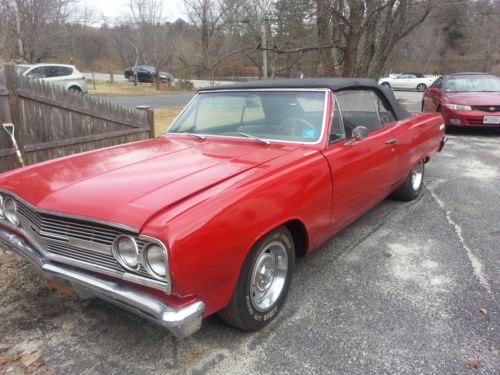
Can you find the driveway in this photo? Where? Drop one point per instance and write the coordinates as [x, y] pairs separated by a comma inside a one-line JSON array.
[[409, 288]]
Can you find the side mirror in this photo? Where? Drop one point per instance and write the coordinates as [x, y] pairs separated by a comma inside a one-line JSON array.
[[360, 133]]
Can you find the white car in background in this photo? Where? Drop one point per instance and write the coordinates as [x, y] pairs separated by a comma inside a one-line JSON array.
[[64, 75], [408, 81]]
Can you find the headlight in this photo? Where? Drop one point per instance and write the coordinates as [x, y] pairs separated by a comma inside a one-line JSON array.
[[126, 252], [155, 260], [459, 107], [9, 208]]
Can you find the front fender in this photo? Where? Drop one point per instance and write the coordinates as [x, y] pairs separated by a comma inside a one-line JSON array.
[[208, 236]]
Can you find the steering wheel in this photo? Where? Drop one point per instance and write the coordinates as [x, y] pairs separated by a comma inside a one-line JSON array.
[[295, 122]]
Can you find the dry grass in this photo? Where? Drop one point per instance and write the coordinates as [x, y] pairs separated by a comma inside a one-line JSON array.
[[127, 89], [163, 119]]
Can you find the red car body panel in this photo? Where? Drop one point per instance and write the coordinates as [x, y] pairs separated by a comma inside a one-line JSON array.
[[436, 99], [149, 178], [221, 195]]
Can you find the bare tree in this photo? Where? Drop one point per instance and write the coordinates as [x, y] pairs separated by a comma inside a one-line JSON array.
[[323, 20], [37, 25], [209, 16], [365, 32], [152, 38]]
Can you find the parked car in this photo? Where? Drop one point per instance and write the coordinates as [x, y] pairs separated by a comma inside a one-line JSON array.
[[147, 74], [66, 76], [465, 99], [408, 81], [214, 212]]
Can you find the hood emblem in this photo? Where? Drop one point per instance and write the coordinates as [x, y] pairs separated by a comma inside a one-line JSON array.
[[492, 109]]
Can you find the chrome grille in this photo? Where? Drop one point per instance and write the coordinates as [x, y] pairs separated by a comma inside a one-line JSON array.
[[487, 108], [57, 235]]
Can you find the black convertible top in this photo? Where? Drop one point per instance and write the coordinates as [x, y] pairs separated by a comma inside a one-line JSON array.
[[335, 84]]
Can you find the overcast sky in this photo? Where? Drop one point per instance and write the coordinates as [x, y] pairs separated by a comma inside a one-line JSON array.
[[111, 9]]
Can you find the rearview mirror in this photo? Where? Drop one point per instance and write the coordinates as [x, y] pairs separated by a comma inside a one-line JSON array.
[[360, 133], [252, 102]]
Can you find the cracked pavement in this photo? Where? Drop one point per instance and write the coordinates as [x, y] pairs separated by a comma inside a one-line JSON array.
[[400, 291]]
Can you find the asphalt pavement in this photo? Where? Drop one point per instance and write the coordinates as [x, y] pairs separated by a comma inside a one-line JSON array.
[[409, 288]]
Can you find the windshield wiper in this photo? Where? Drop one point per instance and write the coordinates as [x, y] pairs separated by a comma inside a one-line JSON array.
[[199, 136], [254, 137]]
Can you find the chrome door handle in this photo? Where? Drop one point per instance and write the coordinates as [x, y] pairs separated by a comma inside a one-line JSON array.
[[391, 141]]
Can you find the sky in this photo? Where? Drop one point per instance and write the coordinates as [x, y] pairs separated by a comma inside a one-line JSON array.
[[111, 9]]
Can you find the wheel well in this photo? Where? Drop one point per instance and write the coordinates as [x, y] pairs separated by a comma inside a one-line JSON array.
[[299, 235], [75, 88]]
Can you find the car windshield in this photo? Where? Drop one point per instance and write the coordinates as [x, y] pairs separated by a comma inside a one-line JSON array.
[[294, 116], [473, 84]]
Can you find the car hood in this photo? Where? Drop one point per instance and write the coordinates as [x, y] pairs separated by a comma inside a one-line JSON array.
[[128, 184], [474, 98]]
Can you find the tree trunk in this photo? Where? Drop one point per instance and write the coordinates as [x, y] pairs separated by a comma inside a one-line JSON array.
[[353, 38], [323, 25]]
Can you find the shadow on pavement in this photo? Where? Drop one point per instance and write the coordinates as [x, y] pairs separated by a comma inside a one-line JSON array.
[[484, 132]]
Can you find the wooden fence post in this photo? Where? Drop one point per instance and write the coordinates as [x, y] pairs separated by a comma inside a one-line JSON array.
[[12, 84], [4, 100], [151, 119]]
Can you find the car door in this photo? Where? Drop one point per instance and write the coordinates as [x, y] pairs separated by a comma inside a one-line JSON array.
[[363, 171], [142, 74], [432, 98], [411, 81], [38, 72], [60, 74], [400, 81]]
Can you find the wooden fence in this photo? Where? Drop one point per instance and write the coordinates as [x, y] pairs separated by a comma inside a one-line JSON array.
[[51, 122]]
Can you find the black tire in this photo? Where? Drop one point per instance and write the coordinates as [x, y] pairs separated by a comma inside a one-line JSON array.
[[386, 84], [242, 312], [421, 87], [76, 90], [409, 190]]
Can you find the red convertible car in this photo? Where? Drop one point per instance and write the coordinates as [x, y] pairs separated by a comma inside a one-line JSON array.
[[465, 99], [211, 216]]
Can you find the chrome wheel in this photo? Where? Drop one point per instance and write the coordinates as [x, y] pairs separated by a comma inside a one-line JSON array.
[[417, 175], [268, 276], [421, 87]]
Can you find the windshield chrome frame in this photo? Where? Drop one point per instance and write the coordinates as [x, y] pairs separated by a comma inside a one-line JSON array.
[[325, 91]]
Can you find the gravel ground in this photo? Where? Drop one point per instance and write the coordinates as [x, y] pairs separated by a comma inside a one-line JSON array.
[[409, 288]]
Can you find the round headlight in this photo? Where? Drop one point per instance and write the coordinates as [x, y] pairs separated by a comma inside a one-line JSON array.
[[10, 210], [155, 258], [126, 252]]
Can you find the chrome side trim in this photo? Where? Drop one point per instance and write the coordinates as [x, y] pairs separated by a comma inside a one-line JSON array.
[[75, 217], [181, 322]]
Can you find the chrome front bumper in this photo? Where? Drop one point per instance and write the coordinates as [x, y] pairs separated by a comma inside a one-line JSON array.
[[181, 322]]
